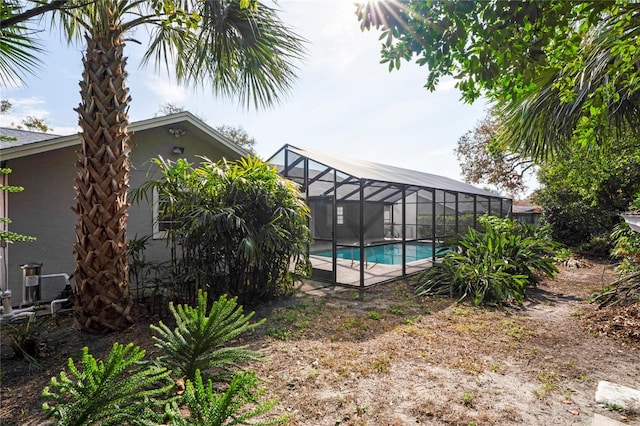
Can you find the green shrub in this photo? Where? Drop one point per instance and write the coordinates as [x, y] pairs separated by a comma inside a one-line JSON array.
[[24, 337], [120, 390], [236, 405], [625, 290], [597, 245], [494, 264], [626, 244], [127, 390], [242, 228], [197, 341]]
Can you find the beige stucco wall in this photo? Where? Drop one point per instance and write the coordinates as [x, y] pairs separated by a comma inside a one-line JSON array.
[[43, 209]]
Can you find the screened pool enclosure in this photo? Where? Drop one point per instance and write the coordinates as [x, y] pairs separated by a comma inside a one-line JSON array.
[[373, 223]]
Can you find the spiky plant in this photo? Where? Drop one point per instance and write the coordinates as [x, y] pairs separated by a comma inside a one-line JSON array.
[[493, 265], [196, 343], [238, 404], [120, 390]]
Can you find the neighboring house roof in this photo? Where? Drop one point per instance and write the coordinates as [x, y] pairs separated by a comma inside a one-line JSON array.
[[17, 137], [526, 209], [29, 143], [385, 173]]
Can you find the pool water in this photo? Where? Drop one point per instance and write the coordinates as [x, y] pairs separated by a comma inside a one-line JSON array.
[[386, 254]]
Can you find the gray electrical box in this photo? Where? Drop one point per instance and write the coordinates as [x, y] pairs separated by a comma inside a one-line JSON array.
[[31, 279]]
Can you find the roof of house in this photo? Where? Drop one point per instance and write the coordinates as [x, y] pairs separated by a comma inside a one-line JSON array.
[[386, 173], [18, 137], [527, 209], [24, 143]]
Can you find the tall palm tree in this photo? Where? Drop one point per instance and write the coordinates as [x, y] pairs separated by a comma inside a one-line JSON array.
[[240, 47]]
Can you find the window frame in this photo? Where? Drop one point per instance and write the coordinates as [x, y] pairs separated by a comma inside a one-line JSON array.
[[158, 232], [340, 215]]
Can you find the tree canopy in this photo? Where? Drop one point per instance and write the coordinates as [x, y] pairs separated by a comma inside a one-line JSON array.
[[584, 191], [239, 136], [559, 69], [484, 160]]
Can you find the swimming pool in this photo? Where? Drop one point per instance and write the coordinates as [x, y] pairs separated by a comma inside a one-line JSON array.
[[386, 254]]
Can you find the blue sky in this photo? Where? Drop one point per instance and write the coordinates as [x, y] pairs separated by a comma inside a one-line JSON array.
[[344, 101]]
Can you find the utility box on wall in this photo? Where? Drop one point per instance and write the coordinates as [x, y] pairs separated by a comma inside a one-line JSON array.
[[31, 279]]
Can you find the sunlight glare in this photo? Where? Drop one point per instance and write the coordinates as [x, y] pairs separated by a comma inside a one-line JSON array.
[[381, 13]]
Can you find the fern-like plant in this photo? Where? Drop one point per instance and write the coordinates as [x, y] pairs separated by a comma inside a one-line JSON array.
[[238, 404], [121, 390], [196, 343]]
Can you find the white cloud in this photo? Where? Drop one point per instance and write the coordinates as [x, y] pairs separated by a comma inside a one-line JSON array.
[[33, 103], [33, 106], [65, 130], [165, 89], [24, 107]]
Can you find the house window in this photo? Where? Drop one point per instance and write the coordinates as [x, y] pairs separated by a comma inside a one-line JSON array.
[[161, 223], [340, 215]]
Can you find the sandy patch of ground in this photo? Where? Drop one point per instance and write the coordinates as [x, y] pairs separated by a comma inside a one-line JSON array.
[[390, 358]]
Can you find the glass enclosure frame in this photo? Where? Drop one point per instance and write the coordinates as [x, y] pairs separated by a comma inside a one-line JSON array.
[[397, 228]]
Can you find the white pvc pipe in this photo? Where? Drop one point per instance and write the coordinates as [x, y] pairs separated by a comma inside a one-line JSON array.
[[65, 276], [18, 313], [57, 302]]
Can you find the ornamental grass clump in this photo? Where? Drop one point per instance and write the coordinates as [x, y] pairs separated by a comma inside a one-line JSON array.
[[492, 265]]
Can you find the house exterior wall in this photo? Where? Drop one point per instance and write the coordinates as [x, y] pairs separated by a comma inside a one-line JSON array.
[[373, 226], [43, 209], [349, 231]]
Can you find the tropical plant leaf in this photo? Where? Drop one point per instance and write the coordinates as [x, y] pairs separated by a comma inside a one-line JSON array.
[[196, 342]]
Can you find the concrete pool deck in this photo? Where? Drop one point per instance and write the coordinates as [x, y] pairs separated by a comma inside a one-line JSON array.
[[348, 272]]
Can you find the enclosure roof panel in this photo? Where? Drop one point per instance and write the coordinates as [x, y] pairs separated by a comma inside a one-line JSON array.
[[385, 173]]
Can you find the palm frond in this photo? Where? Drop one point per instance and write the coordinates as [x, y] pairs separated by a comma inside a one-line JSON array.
[[245, 52], [18, 48], [592, 104]]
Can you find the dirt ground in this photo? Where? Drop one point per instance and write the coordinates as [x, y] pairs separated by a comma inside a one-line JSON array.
[[389, 358]]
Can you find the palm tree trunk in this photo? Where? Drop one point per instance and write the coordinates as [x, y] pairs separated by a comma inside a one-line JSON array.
[[102, 296]]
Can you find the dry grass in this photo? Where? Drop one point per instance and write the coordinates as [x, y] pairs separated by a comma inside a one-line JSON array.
[[393, 359]]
